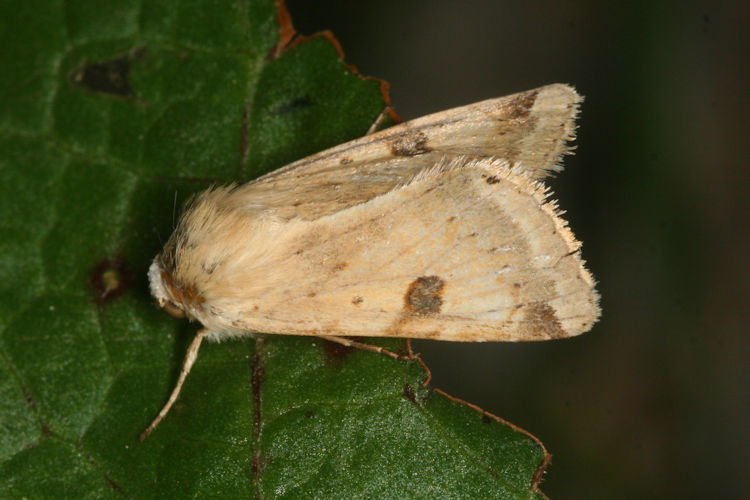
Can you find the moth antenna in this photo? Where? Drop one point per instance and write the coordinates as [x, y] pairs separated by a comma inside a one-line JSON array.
[[187, 365], [367, 347], [174, 208], [379, 120]]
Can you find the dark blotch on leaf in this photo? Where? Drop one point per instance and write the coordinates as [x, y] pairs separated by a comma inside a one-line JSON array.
[[109, 279], [111, 77], [409, 393], [294, 105]]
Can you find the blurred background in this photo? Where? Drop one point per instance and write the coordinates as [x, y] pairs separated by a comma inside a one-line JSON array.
[[655, 400]]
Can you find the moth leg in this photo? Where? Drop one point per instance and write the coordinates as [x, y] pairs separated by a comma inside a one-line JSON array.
[[187, 365], [366, 347]]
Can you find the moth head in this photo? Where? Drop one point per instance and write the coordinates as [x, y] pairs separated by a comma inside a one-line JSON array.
[[167, 296]]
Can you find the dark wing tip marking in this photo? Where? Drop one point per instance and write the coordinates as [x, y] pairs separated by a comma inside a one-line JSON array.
[[542, 322]]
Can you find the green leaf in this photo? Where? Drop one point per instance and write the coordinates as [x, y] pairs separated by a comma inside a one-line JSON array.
[[111, 117]]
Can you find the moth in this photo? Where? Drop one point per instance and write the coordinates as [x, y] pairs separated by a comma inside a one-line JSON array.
[[437, 228]]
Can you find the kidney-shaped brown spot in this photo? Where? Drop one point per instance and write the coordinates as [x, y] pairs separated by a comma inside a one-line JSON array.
[[410, 145], [424, 295]]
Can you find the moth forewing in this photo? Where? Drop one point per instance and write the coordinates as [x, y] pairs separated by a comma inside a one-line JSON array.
[[436, 228], [467, 251], [530, 129]]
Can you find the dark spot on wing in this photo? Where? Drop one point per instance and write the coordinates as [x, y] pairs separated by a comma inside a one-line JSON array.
[[340, 266], [294, 105], [109, 279], [424, 296], [410, 145], [492, 179], [541, 322], [110, 77], [357, 300], [345, 161]]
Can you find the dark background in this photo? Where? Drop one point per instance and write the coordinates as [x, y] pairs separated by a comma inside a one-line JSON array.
[[654, 401]]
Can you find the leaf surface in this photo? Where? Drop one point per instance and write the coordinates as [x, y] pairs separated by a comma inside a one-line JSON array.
[[111, 117]]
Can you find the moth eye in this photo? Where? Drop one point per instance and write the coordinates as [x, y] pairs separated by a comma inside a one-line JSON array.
[[172, 309]]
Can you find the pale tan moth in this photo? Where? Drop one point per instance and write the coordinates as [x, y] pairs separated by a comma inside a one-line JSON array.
[[438, 228]]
